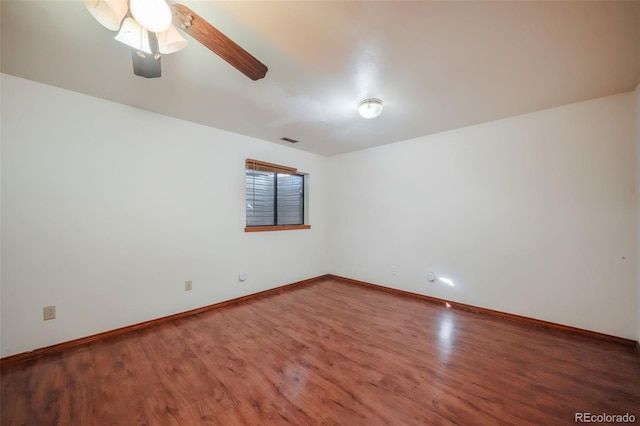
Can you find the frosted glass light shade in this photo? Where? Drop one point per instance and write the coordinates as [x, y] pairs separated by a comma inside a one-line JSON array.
[[171, 41], [132, 34], [370, 108], [108, 12], [153, 15]]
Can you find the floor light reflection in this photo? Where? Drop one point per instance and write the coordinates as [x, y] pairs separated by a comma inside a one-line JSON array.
[[446, 335]]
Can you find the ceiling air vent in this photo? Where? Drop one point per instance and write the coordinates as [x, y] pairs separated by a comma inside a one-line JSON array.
[[289, 140]]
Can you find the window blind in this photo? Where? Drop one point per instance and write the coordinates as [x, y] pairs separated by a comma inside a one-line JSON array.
[[274, 194], [290, 199]]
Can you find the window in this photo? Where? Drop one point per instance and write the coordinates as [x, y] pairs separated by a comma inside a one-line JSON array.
[[274, 197]]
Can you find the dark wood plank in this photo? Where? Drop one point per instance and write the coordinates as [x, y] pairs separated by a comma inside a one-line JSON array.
[[327, 353], [220, 44], [485, 311], [64, 346]]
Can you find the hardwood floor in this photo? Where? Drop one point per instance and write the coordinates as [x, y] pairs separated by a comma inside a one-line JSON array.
[[327, 353]]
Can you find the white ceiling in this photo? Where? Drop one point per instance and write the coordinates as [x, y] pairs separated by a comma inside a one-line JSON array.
[[436, 65]]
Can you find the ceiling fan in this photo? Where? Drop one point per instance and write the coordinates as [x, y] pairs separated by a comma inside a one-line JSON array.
[[150, 28]]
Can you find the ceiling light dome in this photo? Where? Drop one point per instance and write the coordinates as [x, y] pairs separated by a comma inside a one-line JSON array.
[[108, 12], [153, 15], [170, 41], [133, 35], [370, 107]]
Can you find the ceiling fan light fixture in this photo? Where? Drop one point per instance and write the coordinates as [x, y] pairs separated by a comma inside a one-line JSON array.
[[133, 35], [370, 107], [153, 15], [171, 41], [108, 12]]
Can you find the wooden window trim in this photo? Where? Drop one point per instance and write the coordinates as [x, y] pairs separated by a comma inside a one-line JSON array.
[[275, 228], [263, 166]]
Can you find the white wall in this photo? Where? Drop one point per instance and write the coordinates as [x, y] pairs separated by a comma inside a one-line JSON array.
[[107, 210], [531, 215], [637, 123]]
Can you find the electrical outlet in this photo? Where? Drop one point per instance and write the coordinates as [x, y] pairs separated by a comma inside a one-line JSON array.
[[394, 270], [49, 312], [187, 285]]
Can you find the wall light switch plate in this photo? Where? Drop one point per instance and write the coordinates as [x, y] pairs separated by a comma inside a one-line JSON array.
[[49, 312]]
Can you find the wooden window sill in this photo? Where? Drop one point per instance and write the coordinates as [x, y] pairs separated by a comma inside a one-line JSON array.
[[275, 228]]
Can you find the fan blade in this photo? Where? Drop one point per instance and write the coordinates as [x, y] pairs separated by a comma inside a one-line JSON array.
[[147, 64], [218, 43]]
